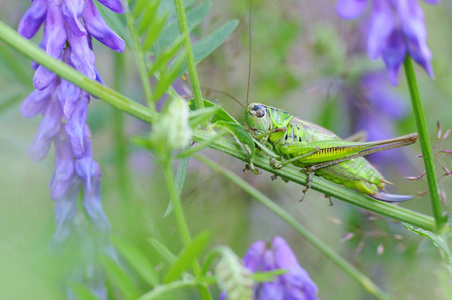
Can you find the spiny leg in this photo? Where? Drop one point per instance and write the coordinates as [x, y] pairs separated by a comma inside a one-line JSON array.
[[308, 184]]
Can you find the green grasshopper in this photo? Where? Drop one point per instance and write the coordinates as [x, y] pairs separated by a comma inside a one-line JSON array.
[[320, 151]]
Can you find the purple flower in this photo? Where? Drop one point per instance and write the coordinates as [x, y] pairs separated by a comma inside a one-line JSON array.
[[295, 284], [397, 27], [68, 28]]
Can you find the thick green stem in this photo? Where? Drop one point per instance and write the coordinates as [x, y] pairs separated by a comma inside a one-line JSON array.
[[424, 140], [322, 185], [310, 237], [141, 64], [118, 100], [127, 105], [14, 40], [183, 27]]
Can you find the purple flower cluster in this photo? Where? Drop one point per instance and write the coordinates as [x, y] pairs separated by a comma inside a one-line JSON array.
[[293, 285], [68, 28], [397, 27]]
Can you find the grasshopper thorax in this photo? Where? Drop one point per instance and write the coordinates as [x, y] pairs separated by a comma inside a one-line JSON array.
[[257, 117]]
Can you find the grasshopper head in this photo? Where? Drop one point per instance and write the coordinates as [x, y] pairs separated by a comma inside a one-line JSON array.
[[257, 117]]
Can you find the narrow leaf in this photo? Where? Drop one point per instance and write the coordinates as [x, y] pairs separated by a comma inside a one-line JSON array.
[[149, 17], [82, 292], [163, 251], [154, 32], [187, 257], [211, 42], [137, 260], [243, 136], [436, 239], [161, 290], [119, 278], [164, 57], [194, 16], [179, 181], [167, 78], [169, 6], [202, 115], [220, 115]]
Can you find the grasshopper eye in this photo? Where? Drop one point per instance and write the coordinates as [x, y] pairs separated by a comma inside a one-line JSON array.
[[260, 113]]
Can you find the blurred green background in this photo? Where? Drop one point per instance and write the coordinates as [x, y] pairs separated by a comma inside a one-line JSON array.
[[303, 55]]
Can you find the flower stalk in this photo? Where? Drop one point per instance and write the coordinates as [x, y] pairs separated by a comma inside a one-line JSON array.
[[183, 27], [424, 140]]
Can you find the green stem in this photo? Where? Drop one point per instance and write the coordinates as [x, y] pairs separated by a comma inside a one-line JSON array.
[[183, 27], [127, 105], [310, 237], [141, 64], [182, 223], [424, 140], [159, 291], [322, 185], [118, 100]]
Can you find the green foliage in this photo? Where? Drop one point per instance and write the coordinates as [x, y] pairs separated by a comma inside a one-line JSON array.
[[187, 257], [163, 251], [82, 292], [119, 278], [158, 272], [137, 260], [439, 241]]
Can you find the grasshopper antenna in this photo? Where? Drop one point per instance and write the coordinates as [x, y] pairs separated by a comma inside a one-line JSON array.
[[249, 54], [226, 94]]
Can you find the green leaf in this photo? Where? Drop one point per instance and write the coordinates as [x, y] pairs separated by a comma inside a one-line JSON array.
[[149, 17], [209, 43], [179, 181], [164, 57], [137, 260], [163, 251], [169, 5], [143, 142], [154, 32], [437, 240], [194, 16], [220, 114], [200, 116], [243, 136], [119, 278], [168, 77], [187, 257], [161, 290], [82, 292]]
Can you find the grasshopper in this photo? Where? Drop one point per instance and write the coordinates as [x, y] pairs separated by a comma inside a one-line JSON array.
[[318, 150]]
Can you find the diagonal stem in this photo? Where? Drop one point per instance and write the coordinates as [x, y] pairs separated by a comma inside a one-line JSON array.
[[424, 140], [368, 285]]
